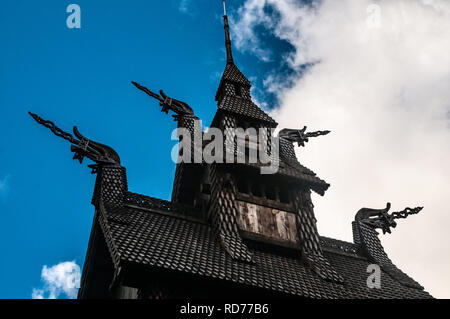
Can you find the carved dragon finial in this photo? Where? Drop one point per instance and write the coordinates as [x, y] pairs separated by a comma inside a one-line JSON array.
[[167, 103], [379, 218], [299, 136], [83, 147]]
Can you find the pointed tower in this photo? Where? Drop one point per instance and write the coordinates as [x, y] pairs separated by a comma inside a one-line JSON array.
[[233, 95], [247, 207]]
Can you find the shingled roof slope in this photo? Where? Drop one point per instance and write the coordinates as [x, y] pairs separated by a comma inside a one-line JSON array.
[[298, 172], [155, 236], [246, 107], [233, 74]]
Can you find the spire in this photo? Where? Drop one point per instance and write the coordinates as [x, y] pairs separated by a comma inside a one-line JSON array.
[[227, 35], [233, 94]]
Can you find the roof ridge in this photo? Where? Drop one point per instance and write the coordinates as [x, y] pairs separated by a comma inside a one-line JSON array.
[[159, 206]]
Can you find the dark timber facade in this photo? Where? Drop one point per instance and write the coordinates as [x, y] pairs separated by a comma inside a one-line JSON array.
[[228, 230]]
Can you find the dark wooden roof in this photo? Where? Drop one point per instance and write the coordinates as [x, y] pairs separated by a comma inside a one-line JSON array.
[[233, 74], [149, 233], [245, 107], [235, 103]]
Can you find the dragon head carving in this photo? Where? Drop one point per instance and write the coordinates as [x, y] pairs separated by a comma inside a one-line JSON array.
[[167, 103], [82, 147], [299, 136], [380, 218]]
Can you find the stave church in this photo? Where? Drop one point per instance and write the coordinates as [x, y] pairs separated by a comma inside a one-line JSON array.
[[229, 230]]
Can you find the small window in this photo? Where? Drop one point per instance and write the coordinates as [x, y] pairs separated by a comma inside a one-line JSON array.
[[206, 188], [256, 190], [242, 186], [243, 124], [271, 193], [237, 90], [284, 196]]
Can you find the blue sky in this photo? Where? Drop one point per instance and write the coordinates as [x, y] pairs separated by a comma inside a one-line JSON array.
[[82, 77]]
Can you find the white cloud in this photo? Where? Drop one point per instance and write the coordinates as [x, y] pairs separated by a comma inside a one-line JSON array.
[[61, 280], [243, 34], [383, 91]]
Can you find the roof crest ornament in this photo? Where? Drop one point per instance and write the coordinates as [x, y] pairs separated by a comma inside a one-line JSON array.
[[299, 136], [379, 218], [167, 103], [82, 147]]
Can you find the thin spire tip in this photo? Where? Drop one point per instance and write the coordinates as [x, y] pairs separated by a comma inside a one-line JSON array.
[[224, 8]]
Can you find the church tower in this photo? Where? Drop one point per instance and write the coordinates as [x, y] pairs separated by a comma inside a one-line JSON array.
[[239, 202]]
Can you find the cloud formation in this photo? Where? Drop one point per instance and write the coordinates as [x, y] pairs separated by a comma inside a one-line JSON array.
[[60, 281], [379, 79], [251, 14]]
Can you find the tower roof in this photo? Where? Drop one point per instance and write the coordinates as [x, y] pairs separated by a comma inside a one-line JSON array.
[[233, 74], [233, 94], [244, 107], [148, 234]]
